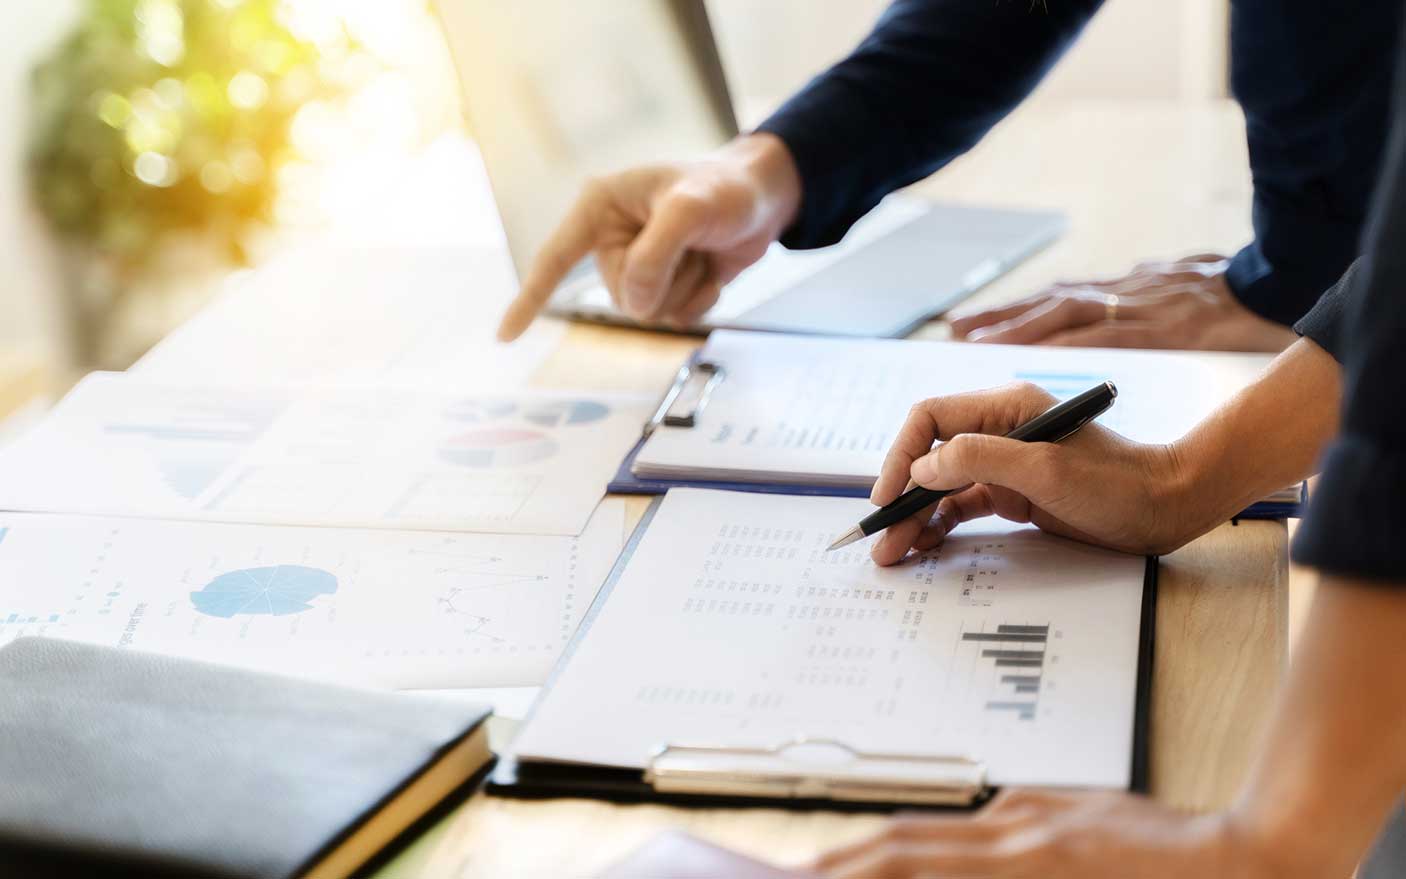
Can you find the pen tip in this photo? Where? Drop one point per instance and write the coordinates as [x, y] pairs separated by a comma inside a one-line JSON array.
[[850, 536]]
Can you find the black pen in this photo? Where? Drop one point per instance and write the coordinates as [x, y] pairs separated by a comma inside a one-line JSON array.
[[1050, 426]]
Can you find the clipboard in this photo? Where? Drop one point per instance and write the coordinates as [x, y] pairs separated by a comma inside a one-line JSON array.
[[686, 399], [706, 775]]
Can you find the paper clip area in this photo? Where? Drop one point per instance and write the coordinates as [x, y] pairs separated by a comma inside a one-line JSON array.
[[817, 769], [687, 396]]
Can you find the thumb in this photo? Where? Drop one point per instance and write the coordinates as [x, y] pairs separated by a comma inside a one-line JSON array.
[[985, 459]]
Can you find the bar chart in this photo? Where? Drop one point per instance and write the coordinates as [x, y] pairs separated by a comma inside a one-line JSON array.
[[1017, 652]]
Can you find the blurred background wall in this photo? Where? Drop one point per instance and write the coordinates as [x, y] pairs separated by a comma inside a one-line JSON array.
[[1134, 49], [30, 314], [398, 131]]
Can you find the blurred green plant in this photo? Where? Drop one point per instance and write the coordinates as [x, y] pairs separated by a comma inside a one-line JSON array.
[[156, 116]]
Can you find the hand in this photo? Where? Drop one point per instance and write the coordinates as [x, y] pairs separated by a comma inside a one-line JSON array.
[[1036, 834], [1179, 304], [1095, 486], [668, 237]]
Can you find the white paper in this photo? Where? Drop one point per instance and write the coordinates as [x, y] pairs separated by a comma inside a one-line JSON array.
[[390, 608], [405, 317], [803, 409], [525, 463], [732, 627]]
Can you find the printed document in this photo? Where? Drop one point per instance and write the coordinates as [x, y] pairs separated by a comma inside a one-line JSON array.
[[389, 608], [522, 463], [800, 409], [403, 317], [731, 626]]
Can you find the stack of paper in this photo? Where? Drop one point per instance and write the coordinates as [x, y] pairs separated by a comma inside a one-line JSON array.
[[408, 317], [524, 463], [808, 411], [332, 392]]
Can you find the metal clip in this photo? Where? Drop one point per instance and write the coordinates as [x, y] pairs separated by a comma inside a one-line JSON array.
[[817, 768], [687, 396]]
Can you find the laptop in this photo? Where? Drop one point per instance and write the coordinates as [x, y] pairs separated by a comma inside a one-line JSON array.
[[556, 91]]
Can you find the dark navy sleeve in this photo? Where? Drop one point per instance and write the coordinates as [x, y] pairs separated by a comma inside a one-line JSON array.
[[1356, 523], [1324, 321], [1314, 80], [930, 80]]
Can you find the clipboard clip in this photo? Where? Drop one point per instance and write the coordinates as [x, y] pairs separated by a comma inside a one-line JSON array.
[[819, 769], [687, 396]]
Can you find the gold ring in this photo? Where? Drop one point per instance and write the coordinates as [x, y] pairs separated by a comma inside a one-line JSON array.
[[1110, 306]]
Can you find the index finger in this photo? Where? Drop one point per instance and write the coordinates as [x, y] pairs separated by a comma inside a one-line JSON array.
[[569, 244], [941, 418]]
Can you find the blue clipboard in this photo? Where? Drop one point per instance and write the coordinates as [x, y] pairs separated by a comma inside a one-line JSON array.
[[688, 395], [626, 482]]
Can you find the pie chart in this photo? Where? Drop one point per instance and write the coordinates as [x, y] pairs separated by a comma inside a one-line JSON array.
[[278, 591], [567, 412], [476, 411], [497, 447]]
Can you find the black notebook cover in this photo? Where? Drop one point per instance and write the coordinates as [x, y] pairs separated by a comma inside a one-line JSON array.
[[116, 763]]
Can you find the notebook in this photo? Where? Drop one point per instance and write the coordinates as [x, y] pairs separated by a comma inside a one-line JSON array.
[[118, 763], [729, 655], [814, 414]]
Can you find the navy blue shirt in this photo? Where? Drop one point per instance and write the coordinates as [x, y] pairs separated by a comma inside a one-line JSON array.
[[934, 76], [1356, 522]]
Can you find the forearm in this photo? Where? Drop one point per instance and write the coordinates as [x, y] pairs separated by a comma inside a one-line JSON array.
[[769, 163], [1335, 757], [930, 80], [1268, 436]]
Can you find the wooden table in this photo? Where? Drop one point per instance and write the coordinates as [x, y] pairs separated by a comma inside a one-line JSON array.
[[1137, 181]]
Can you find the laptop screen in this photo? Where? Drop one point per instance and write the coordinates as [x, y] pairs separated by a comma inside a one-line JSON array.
[[555, 91]]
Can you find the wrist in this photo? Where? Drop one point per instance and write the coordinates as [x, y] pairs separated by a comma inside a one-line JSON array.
[[767, 162], [1282, 842], [1187, 492]]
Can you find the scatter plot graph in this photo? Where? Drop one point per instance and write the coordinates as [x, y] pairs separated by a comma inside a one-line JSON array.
[[458, 604], [477, 592], [567, 412], [452, 560], [498, 447], [278, 590]]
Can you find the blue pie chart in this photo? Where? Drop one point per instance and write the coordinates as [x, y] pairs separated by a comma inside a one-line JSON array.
[[278, 591]]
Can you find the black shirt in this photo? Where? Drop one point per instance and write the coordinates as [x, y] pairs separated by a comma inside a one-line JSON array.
[[1356, 523], [935, 75]]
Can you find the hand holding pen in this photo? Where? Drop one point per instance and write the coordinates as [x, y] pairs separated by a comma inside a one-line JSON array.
[[1097, 486]]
